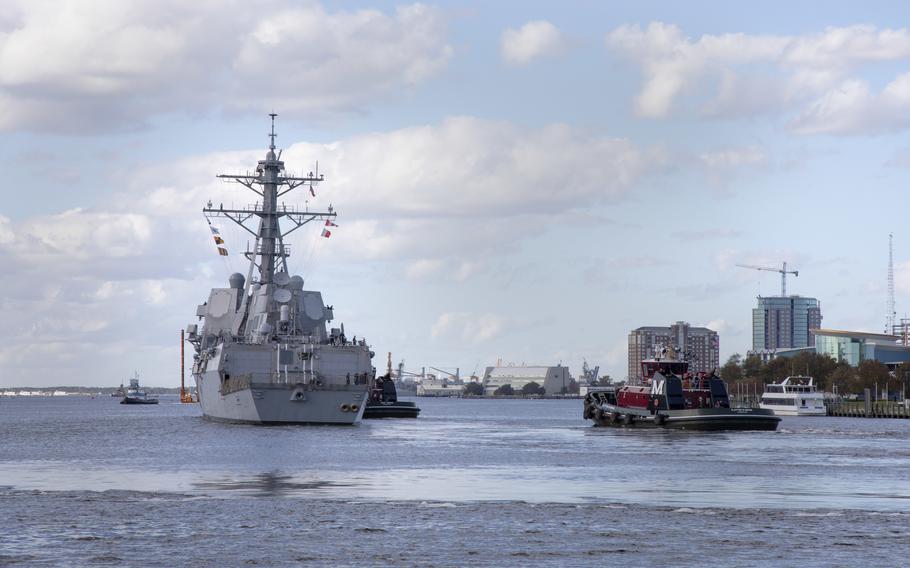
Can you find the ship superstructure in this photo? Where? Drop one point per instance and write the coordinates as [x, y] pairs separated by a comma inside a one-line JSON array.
[[264, 352]]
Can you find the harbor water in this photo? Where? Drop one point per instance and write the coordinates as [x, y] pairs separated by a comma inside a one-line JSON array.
[[470, 482]]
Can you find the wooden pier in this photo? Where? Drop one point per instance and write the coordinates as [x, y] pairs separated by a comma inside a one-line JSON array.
[[868, 409]]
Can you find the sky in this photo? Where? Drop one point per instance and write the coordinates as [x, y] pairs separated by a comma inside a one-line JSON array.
[[524, 182]]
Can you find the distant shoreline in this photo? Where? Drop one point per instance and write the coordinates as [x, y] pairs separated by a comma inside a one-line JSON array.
[[73, 390]]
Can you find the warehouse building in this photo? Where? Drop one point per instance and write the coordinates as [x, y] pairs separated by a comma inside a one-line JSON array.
[[554, 380]]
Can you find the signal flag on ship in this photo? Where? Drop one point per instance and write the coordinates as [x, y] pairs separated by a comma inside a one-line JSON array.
[[326, 233], [329, 223], [216, 234]]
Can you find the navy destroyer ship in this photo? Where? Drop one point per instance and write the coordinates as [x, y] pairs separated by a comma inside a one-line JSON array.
[[264, 353]]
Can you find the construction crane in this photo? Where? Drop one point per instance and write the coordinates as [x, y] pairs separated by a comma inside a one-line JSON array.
[[402, 373], [454, 375], [783, 274]]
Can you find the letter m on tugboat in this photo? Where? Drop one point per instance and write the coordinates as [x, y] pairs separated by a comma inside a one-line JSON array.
[[669, 396]]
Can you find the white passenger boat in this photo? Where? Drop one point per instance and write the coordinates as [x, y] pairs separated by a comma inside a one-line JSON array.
[[794, 396]]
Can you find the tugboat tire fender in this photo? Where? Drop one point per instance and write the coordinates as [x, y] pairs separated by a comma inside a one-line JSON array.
[[614, 418], [659, 419], [627, 419]]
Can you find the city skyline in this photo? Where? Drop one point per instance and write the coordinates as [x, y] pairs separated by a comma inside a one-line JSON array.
[[525, 184]]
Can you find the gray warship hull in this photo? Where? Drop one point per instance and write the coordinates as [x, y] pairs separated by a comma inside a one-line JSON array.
[[277, 403], [264, 353]]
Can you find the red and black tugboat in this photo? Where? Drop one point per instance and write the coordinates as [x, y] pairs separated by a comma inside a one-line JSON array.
[[672, 397]]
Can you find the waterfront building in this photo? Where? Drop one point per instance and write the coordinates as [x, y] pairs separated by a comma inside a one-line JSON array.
[[784, 322], [700, 343], [854, 347], [432, 385], [554, 380]]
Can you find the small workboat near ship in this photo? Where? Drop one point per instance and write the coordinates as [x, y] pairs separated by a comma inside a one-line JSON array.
[[383, 400], [384, 403], [135, 394], [671, 397], [794, 396]]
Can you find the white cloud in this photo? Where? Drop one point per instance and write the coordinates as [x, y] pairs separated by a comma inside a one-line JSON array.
[[468, 167], [734, 157], [531, 41], [442, 268], [424, 268], [440, 195], [315, 60], [852, 108], [719, 325], [427, 201], [761, 73], [6, 231], [89, 66], [468, 326]]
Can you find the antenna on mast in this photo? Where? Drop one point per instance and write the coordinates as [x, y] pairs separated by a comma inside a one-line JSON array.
[[272, 134], [892, 315]]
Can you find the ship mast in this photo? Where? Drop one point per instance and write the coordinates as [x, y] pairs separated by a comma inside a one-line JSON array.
[[270, 182]]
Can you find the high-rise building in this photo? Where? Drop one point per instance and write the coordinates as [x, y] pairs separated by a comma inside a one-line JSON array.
[[701, 344], [784, 322]]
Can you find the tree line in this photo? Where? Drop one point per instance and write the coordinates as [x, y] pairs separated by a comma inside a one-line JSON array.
[[529, 389], [829, 375]]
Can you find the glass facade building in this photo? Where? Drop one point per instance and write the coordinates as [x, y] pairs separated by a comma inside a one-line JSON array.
[[854, 347], [841, 348], [784, 322]]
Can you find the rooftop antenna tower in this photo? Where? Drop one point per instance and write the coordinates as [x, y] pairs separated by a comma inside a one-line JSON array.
[[892, 315]]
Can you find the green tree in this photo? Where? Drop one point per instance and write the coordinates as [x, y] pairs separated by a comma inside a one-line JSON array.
[[732, 371], [532, 388], [473, 389], [775, 370], [752, 367], [842, 379], [819, 367], [504, 390], [871, 373]]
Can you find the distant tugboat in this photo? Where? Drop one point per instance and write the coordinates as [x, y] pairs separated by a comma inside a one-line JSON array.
[[383, 401], [671, 397], [135, 395]]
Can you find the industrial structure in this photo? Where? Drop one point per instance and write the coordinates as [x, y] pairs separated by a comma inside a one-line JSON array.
[[554, 380], [699, 344], [891, 317]]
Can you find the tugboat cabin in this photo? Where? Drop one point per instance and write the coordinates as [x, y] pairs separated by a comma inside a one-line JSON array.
[[668, 385]]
